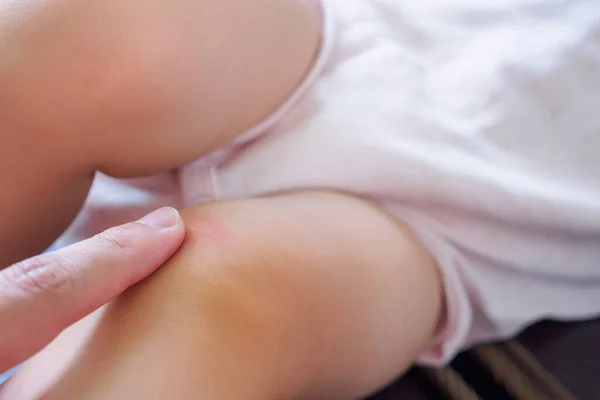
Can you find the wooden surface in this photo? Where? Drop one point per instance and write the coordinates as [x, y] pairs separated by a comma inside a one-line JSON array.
[[571, 352]]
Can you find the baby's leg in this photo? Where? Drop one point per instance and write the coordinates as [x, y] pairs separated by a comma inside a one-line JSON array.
[[131, 88], [141, 86], [300, 296]]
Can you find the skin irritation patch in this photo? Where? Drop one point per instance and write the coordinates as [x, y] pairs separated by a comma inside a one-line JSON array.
[[204, 230]]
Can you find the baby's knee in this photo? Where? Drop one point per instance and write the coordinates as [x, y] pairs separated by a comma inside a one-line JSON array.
[[224, 266]]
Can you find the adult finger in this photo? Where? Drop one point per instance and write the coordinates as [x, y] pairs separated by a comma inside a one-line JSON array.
[[42, 296]]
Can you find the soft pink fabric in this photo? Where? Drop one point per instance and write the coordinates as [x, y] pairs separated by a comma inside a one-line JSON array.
[[474, 122]]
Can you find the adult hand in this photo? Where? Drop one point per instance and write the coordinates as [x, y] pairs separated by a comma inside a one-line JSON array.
[[42, 296]]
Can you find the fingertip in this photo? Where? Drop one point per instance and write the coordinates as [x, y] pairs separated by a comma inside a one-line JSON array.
[[177, 231], [167, 222], [163, 218], [171, 236]]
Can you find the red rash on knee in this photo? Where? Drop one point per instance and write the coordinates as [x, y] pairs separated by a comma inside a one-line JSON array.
[[204, 229]]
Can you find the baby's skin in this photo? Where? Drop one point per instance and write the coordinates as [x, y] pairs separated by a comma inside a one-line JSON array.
[[295, 296]]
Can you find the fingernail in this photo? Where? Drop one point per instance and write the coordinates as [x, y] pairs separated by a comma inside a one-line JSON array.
[[166, 217]]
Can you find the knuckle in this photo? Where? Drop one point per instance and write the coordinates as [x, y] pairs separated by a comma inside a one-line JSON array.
[[116, 239], [41, 274]]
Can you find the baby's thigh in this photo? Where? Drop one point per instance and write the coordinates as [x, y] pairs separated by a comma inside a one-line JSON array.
[[130, 88], [324, 280], [143, 86]]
